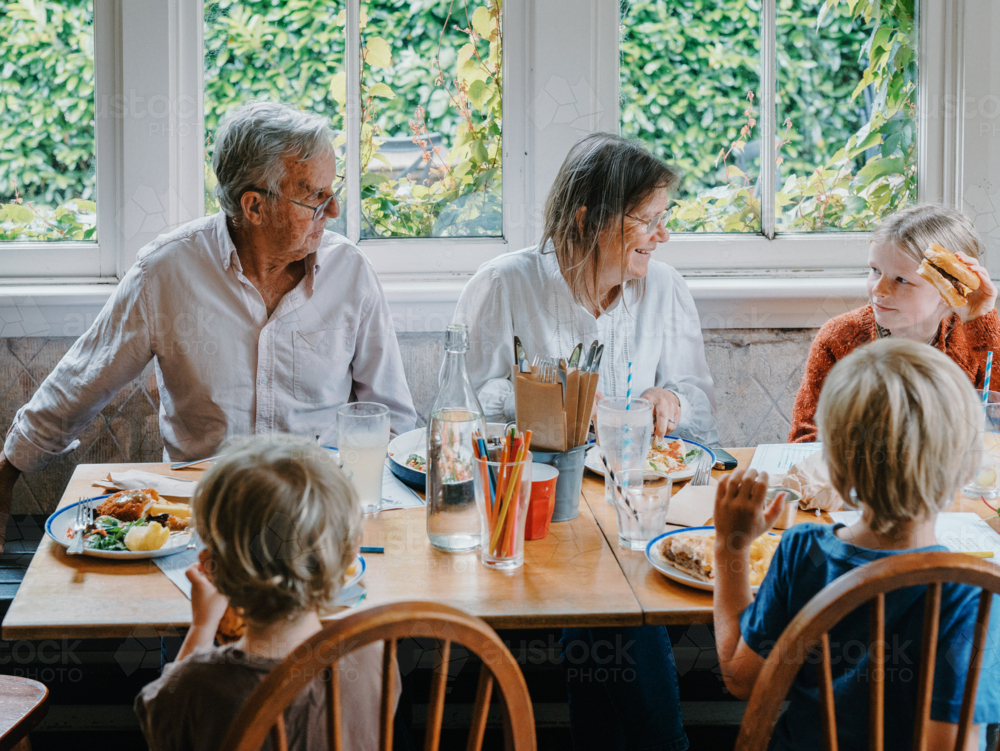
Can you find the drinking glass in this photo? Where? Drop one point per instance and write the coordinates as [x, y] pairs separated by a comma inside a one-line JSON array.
[[641, 502], [363, 439], [624, 435], [502, 500], [986, 483]]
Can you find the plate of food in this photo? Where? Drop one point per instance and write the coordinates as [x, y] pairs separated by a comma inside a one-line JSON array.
[[130, 525], [688, 556], [408, 454], [354, 572], [675, 457]]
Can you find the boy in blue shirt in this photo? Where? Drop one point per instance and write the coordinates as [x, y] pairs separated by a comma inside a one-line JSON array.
[[899, 422]]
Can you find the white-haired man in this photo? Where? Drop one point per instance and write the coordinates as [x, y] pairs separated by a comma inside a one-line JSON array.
[[258, 320]]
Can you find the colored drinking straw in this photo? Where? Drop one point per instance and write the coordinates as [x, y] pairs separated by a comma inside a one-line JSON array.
[[989, 369]]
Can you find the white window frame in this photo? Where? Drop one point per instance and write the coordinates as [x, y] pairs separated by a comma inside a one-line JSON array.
[[152, 163]]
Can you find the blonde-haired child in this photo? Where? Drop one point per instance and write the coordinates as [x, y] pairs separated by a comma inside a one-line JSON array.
[[900, 425], [902, 304], [281, 524]]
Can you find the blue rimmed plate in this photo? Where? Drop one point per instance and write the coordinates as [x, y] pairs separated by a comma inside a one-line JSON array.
[[57, 527]]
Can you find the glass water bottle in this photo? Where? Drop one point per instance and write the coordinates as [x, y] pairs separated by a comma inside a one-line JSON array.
[[452, 518]]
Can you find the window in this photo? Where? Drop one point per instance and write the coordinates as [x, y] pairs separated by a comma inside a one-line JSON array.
[[430, 119], [837, 123], [47, 145], [430, 101]]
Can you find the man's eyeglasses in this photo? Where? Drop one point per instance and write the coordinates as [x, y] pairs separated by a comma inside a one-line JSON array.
[[653, 223], [317, 211]]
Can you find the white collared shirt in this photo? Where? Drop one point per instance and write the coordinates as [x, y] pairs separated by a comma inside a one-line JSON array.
[[524, 293], [223, 367]]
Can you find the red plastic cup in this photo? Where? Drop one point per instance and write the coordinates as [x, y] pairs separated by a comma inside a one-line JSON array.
[[543, 501]]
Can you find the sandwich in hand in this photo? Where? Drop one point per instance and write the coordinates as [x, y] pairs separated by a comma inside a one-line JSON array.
[[952, 278]]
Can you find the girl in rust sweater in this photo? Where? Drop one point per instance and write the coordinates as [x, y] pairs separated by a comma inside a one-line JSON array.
[[903, 304]]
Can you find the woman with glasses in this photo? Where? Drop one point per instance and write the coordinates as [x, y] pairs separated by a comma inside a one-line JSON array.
[[592, 277]]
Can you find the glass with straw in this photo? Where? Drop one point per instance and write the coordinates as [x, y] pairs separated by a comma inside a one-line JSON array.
[[503, 490], [986, 483]]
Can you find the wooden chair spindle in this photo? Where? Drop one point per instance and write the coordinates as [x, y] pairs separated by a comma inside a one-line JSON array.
[[480, 710], [435, 708], [388, 692], [928, 656], [876, 674], [975, 664], [826, 696]]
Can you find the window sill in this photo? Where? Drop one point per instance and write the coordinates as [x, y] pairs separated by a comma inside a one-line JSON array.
[[419, 306]]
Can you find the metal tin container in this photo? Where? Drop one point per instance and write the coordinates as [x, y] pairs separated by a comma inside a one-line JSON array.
[[788, 514]]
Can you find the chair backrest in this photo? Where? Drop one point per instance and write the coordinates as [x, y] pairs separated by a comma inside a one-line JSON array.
[[810, 628], [263, 713]]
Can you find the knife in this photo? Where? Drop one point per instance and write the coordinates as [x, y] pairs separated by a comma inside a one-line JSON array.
[[597, 360], [562, 377], [519, 353], [590, 356], [574, 358]]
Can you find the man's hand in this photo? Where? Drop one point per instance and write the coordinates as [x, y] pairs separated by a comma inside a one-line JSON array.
[[666, 410], [740, 516], [8, 478]]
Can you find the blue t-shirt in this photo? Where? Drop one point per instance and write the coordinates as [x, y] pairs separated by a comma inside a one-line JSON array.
[[811, 556]]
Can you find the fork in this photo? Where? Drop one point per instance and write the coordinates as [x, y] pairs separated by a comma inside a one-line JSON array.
[[84, 516], [702, 473]]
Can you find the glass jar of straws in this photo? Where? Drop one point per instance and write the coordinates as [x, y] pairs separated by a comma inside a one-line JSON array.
[[503, 489]]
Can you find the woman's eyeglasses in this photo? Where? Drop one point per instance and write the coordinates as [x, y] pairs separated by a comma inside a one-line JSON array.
[[653, 223], [317, 211]]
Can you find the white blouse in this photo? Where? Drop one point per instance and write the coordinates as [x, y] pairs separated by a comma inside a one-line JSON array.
[[524, 293]]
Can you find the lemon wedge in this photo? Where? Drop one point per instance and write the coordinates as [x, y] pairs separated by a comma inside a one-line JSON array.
[[150, 537]]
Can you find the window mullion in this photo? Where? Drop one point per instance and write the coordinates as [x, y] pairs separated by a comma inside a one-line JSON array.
[[768, 45], [352, 117]]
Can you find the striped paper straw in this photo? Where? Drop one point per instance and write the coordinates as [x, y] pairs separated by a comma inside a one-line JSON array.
[[989, 369], [628, 389], [627, 448]]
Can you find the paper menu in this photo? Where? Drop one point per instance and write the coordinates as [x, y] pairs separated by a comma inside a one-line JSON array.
[[960, 532], [395, 494], [778, 458]]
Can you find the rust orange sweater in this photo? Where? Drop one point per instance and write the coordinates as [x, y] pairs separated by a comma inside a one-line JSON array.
[[966, 344]]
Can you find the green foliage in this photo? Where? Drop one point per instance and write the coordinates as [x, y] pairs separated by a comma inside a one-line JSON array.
[[844, 162], [46, 102], [846, 85]]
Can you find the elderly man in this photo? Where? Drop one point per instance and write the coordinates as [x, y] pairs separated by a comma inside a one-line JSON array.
[[257, 319]]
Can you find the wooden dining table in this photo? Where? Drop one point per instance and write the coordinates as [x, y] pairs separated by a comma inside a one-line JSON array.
[[576, 576]]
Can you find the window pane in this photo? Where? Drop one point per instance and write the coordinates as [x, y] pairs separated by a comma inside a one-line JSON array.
[[47, 180], [431, 116], [846, 115], [285, 52], [690, 87]]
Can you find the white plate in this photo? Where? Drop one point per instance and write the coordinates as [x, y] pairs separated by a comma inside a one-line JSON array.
[[594, 464], [670, 571], [59, 523], [357, 576]]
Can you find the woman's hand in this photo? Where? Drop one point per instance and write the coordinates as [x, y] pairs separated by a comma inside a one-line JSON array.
[[666, 410], [982, 300], [740, 516]]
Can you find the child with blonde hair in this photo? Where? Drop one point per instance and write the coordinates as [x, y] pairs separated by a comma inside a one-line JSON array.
[[900, 425], [903, 304], [281, 525]]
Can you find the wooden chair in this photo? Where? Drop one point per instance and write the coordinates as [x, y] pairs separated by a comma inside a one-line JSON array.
[[263, 712], [23, 704], [868, 584]]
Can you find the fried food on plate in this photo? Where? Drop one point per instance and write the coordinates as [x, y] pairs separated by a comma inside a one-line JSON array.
[[128, 505], [694, 554]]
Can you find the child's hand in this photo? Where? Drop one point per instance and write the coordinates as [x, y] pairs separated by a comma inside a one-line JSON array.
[[982, 300], [740, 516], [207, 604]]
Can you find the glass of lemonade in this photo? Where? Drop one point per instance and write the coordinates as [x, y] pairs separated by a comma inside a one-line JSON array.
[[986, 483], [363, 439]]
